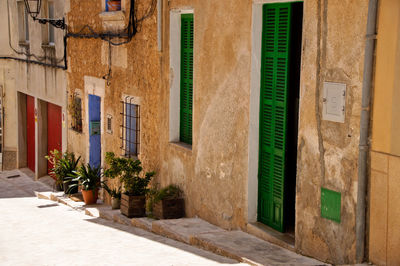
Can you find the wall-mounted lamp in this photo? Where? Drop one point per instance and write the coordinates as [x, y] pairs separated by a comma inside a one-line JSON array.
[[33, 9]]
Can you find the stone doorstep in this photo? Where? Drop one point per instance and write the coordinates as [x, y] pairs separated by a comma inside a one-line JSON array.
[[237, 245], [43, 195], [264, 232], [183, 229], [250, 249]]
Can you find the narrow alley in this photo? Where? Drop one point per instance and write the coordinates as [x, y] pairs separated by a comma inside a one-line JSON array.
[[40, 232]]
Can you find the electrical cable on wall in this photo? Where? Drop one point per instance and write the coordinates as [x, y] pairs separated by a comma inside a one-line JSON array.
[[39, 60], [133, 27]]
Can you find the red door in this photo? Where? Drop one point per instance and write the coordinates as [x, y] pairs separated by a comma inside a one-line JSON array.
[[30, 131], [53, 130]]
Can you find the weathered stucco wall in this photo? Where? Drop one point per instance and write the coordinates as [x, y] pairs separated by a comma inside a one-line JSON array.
[[213, 172], [135, 72], [44, 83], [384, 234], [7, 82], [333, 50]]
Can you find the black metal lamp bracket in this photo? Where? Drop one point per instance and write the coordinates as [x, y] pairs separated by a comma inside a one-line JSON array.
[[58, 23]]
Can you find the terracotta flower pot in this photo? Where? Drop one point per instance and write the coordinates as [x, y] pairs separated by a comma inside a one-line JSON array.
[[113, 5], [89, 197]]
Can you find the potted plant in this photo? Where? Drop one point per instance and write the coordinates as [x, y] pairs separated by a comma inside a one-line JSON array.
[[115, 194], [129, 171], [168, 203], [53, 159], [89, 179], [63, 166]]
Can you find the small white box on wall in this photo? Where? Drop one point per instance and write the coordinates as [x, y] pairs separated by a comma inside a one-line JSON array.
[[334, 102]]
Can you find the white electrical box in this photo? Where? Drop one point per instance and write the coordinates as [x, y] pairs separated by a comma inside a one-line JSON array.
[[334, 102]]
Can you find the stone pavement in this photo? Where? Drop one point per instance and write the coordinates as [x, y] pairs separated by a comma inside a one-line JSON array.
[[42, 232], [235, 245]]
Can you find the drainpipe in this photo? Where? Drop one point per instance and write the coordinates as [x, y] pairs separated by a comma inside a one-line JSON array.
[[364, 130]]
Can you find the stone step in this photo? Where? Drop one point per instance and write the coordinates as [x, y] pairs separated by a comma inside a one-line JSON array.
[[249, 249], [183, 229], [197, 232]]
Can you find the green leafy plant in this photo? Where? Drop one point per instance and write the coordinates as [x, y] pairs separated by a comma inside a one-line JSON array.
[[156, 194], [169, 192], [130, 174], [63, 164], [88, 177], [113, 192]]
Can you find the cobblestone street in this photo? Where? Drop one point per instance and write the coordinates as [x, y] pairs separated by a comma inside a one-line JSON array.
[[41, 232]]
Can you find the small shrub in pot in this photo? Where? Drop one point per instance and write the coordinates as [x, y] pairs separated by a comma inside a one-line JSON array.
[[115, 194], [129, 172], [168, 203], [63, 167]]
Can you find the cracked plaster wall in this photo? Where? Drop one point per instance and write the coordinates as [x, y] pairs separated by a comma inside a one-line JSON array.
[[213, 173], [333, 50]]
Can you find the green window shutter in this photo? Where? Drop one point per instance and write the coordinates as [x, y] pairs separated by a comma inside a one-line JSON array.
[[273, 113], [186, 103]]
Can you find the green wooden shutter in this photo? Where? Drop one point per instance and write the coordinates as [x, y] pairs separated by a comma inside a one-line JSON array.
[[186, 104], [273, 113]]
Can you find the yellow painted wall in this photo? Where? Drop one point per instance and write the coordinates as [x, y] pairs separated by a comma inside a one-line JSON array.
[[386, 85], [384, 233]]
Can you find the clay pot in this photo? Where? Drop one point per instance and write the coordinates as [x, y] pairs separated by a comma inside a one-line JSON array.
[[115, 203], [89, 197], [113, 5]]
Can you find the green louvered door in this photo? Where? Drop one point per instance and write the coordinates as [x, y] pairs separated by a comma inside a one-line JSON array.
[[273, 113], [186, 105]]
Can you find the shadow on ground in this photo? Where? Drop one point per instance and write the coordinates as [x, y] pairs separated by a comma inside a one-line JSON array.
[[163, 240]]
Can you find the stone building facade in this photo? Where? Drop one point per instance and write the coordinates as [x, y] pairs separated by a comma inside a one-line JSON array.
[[33, 85], [191, 93]]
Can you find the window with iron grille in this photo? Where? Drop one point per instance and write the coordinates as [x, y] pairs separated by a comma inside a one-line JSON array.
[[76, 114], [109, 124], [130, 140]]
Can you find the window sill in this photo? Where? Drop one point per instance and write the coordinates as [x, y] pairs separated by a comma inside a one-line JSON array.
[[48, 46], [24, 44], [112, 15], [76, 131], [133, 157], [113, 21], [182, 146]]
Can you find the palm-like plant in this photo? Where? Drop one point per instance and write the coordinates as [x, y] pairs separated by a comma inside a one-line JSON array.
[[88, 177], [113, 192], [63, 165]]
